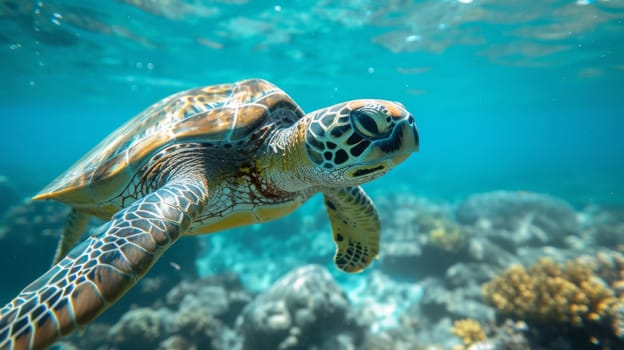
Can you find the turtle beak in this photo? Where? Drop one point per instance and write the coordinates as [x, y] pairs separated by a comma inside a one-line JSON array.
[[403, 140], [410, 142]]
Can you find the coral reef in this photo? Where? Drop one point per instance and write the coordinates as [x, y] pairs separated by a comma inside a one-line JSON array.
[[435, 259], [304, 308], [499, 229], [305, 235], [609, 265], [469, 331], [548, 292], [447, 236], [569, 295], [440, 301], [422, 238], [138, 327], [381, 301], [534, 219], [606, 227], [419, 238], [510, 335], [193, 315]]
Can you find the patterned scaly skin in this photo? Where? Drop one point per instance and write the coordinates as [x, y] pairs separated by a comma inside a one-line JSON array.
[[101, 269]]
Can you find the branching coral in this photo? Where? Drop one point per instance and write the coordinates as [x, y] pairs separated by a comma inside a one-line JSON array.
[[469, 331], [610, 267], [549, 292]]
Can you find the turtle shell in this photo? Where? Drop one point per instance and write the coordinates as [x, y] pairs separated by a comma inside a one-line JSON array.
[[225, 113]]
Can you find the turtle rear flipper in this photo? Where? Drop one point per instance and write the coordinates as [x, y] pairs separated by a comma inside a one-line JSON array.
[[355, 226], [102, 268]]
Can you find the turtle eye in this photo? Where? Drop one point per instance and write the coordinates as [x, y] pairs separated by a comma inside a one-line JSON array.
[[370, 123]]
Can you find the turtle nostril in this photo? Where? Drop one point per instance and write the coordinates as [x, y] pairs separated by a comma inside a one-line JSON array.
[[410, 120]]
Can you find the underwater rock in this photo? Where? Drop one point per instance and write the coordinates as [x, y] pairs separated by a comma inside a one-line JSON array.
[[606, 227], [431, 252], [530, 255], [436, 334], [138, 328], [484, 251], [147, 328], [305, 308], [514, 219], [305, 235], [402, 338], [418, 237], [509, 335], [205, 311], [380, 301], [221, 296], [422, 239], [193, 315], [461, 275], [439, 302]]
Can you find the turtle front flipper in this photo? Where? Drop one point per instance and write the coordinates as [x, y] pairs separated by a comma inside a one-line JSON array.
[[74, 227], [102, 268], [355, 226]]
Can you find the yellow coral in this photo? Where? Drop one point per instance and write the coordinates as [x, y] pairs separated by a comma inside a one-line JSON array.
[[549, 292], [446, 235], [469, 331]]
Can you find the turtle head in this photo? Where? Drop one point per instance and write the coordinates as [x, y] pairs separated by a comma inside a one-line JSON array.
[[357, 141]]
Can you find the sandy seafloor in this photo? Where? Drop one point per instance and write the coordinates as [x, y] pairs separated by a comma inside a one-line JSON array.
[[506, 230]]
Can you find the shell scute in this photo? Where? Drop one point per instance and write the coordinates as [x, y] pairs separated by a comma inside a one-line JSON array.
[[225, 112]]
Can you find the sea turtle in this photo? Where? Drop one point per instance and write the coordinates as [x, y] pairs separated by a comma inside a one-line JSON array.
[[201, 161]]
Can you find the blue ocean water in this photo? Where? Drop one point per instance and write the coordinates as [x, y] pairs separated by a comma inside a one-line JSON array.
[[517, 95]]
